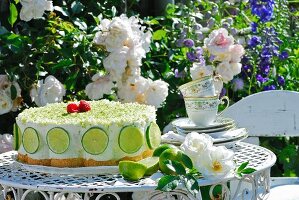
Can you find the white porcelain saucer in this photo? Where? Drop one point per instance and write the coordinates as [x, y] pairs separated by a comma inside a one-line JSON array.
[[226, 138], [210, 130], [186, 124]]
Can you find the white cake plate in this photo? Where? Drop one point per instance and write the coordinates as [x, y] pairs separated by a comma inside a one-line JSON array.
[[97, 170]]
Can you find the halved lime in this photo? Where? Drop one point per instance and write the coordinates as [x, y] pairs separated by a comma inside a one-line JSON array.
[[131, 170], [153, 135], [30, 140], [17, 139], [58, 140], [152, 165], [95, 141], [130, 139]]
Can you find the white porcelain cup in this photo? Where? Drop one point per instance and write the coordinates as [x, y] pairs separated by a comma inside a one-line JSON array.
[[203, 87], [204, 110]]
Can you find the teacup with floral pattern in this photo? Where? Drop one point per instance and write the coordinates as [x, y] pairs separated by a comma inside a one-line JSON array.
[[204, 110], [203, 87]]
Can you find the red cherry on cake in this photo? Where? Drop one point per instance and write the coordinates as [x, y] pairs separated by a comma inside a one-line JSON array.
[[84, 106], [72, 108]]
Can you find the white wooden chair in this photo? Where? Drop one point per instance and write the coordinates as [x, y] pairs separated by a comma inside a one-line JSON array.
[[270, 114]]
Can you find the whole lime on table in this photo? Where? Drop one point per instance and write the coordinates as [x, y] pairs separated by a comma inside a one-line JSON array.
[[168, 154], [159, 150]]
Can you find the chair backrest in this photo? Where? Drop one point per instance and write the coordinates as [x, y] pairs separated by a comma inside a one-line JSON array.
[[269, 113]]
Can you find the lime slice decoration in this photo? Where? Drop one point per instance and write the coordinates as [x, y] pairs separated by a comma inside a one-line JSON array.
[[58, 140], [131, 170], [17, 139], [152, 165], [168, 154], [153, 136], [130, 139], [30, 140], [95, 141]]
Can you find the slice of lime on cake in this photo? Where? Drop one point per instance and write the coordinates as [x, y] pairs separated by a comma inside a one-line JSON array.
[[17, 140], [30, 140], [58, 140], [95, 141], [130, 139], [153, 136]]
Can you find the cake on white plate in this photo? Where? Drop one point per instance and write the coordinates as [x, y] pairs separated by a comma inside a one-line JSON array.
[[102, 135]]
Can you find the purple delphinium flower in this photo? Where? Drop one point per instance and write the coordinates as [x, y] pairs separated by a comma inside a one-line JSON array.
[[281, 81], [237, 84], [261, 79], [263, 9], [180, 42], [254, 26], [283, 55], [269, 87], [188, 43], [265, 69], [254, 41], [246, 71], [191, 56]]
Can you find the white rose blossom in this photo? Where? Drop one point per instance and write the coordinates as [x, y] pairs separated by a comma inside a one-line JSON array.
[[6, 103], [34, 9], [101, 85], [48, 91], [156, 93], [116, 62], [216, 163], [199, 70], [196, 144], [228, 70], [218, 41], [133, 90]]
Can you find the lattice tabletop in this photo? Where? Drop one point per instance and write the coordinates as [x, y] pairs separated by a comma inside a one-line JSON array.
[[13, 175]]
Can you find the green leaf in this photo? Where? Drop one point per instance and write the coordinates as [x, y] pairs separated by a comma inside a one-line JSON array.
[[62, 10], [17, 1], [13, 92], [13, 15], [168, 183], [248, 170], [186, 160], [191, 184], [242, 166], [159, 35], [113, 10], [154, 22], [175, 166], [65, 63]]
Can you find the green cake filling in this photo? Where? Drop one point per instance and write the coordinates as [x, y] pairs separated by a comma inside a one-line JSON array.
[[102, 112]]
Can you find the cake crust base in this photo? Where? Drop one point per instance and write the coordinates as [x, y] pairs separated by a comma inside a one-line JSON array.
[[79, 162]]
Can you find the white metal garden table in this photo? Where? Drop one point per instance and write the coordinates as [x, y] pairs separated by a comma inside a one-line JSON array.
[[18, 182]]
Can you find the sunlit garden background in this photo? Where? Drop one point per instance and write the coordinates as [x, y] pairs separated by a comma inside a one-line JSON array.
[[59, 40]]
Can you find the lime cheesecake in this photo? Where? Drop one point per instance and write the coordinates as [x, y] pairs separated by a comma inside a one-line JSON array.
[[104, 135]]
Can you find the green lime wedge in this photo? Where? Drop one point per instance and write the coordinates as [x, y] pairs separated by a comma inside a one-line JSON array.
[[95, 141], [158, 151], [153, 136], [30, 140], [152, 165], [58, 140], [130, 139], [17, 139], [131, 170]]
